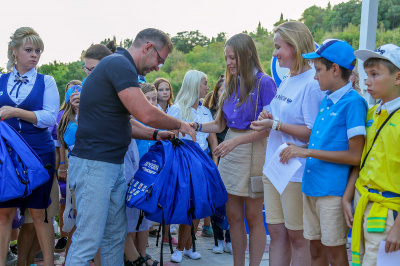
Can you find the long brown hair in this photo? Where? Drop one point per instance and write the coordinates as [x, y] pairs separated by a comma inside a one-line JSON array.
[[211, 99], [68, 116], [245, 52], [157, 83]]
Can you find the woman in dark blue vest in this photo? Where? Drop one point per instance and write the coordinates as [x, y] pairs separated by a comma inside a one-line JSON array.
[[29, 102]]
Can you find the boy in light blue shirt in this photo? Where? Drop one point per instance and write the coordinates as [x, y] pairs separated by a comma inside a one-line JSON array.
[[335, 145]]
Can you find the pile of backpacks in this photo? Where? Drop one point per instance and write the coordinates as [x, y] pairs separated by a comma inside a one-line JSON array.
[[176, 183]]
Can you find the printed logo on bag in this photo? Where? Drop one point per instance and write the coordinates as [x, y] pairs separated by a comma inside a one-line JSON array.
[[333, 114], [136, 184], [151, 167], [131, 182], [391, 124], [369, 123], [137, 192], [140, 186], [144, 188], [128, 197]]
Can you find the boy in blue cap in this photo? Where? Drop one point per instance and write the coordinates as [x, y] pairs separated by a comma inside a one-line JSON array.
[[377, 193], [336, 144]]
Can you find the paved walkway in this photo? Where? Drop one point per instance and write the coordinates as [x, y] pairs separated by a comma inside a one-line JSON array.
[[204, 245]]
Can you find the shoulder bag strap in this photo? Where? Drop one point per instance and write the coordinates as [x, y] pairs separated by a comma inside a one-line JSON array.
[[376, 136], [255, 118]]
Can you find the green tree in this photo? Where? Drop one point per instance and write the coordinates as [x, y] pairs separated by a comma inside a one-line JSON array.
[[185, 41], [63, 73], [280, 21]]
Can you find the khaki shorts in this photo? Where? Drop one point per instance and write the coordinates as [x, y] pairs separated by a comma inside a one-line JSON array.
[[324, 220], [286, 208], [370, 241], [54, 207]]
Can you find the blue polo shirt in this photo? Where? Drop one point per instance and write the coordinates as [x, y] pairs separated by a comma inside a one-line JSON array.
[[105, 132], [341, 116]]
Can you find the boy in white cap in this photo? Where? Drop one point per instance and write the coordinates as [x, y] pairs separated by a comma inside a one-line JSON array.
[[336, 144], [377, 193]]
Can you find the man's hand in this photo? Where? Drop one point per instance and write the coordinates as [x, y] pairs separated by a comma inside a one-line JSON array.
[[347, 211], [393, 238], [185, 128], [164, 135], [7, 112], [293, 151]]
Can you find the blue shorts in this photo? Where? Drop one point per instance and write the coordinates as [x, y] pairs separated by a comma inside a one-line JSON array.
[[40, 197]]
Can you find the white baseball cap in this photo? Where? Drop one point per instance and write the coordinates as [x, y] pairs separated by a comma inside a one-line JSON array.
[[389, 52]]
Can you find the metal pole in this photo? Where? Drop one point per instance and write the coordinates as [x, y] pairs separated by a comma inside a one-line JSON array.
[[369, 17]]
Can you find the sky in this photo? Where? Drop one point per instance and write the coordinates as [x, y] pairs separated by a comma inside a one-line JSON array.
[[69, 27]]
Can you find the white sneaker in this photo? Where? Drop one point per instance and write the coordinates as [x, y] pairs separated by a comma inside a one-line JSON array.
[[220, 248], [193, 255], [228, 248], [173, 229], [177, 256]]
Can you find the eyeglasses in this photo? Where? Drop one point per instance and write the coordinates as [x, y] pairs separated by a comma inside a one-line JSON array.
[[87, 69], [160, 59]]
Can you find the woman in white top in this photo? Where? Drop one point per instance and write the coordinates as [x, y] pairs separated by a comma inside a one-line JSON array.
[[291, 118], [29, 103], [188, 108]]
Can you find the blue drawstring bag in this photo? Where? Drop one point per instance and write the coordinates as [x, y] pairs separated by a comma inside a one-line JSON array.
[[213, 193], [183, 183], [22, 170], [176, 210], [146, 186], [11, 185]]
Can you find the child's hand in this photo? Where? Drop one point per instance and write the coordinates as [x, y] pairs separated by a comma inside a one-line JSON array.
[[261, 125], [393, 239], [265, 115], [347, 211], [292, 151]]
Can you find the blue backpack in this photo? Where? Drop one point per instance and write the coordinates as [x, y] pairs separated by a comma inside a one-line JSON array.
[[177, 180], [21, 170]]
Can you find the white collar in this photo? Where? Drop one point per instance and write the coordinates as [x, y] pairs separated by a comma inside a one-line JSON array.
[[29, 74], [389, 106], [337, 95]]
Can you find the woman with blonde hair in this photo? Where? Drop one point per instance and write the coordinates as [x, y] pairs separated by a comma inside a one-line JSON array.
[[29, 104], [247, 90], [290, 118], [188, 108], [164, 94]]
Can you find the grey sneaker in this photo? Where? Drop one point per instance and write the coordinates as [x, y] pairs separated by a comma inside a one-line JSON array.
[[11, 259]]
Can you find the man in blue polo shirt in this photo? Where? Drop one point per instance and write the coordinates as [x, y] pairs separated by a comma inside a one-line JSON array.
[[109, 96], [336, 144]]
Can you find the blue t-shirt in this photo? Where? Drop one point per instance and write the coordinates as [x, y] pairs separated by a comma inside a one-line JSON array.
[[69, 135], [341, 116], [144, 145]]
